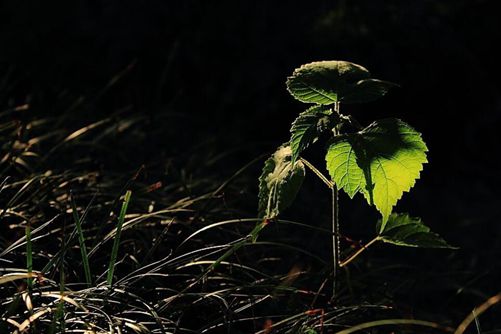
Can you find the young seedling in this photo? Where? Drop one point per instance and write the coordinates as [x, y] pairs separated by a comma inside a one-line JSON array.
[[380, 161]]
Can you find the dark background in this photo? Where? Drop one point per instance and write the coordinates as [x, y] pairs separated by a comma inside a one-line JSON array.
[[220, 66]]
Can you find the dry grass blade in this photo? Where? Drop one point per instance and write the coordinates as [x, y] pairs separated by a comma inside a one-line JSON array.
[[26, 323], [392, 322], [22, 241], [61, 296], [131, 223], [29, 254], [18, 194], [218, 224], [476, 312], [16, 276]]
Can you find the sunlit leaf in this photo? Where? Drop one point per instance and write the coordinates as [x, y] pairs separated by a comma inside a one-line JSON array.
[[279, 182], [382, 161], [403, 230], [343, 166]]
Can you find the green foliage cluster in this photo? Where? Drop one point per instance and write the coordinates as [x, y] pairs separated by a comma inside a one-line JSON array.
[[380, 161]]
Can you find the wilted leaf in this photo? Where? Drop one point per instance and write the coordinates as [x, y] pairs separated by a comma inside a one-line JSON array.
[[279, 182]]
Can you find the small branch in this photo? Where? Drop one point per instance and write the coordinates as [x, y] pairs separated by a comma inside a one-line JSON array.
[[358, 252], [318, 173]]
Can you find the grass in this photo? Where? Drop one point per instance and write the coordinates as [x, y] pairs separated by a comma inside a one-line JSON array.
[[116, 242], [81, 241], [186, 255], [29, 256]]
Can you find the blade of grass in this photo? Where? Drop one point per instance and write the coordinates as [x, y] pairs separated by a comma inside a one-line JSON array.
[[58, 256], [59, 316], [29, 255], [99, 233], [81, 241], [21, 241], [387, 322], [29, 323], [116, 243], [477, 311], [252, 237], [14, 276], [18, 194]]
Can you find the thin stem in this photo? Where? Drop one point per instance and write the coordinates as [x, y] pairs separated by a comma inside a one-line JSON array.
[[358, 252], [335, 221], [317, 172], [335, 237]]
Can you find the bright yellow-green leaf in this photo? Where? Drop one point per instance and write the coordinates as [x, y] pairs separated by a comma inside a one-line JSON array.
[[382, 161], [343, 167]]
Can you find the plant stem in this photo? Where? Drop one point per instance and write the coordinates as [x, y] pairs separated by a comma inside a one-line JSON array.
[[358, 252], [335, 237], [335, 222], [325, 180]]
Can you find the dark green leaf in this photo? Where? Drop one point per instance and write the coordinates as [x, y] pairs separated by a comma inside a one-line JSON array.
[[403, 230], [307, 127], [327, 82], [279, 183], [367, 90]]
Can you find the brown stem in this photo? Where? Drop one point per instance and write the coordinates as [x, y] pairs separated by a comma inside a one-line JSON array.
[[358, 252]]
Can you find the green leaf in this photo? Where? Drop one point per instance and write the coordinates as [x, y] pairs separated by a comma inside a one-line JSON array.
[[307, 127], [279, 182], [327, 82], [343, 166], [310, 331], [382, 161], [403, 230], [367, 90]]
